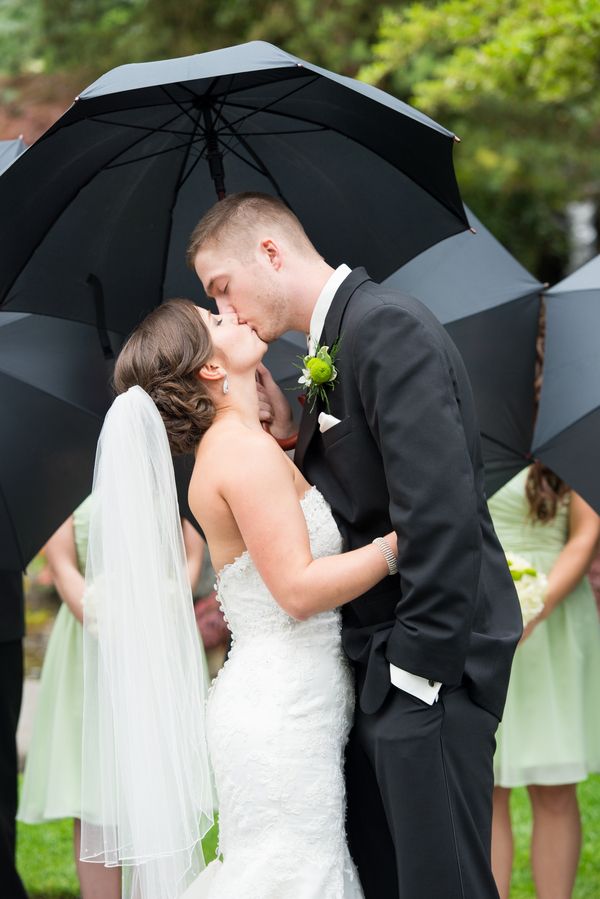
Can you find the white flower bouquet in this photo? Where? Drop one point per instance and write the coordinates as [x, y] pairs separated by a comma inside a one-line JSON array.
[[531, 586]]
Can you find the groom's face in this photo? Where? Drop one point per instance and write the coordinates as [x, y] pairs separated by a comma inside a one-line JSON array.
[[247, 286]]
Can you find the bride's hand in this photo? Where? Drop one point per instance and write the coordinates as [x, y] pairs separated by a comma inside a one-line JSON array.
[[274, 408]]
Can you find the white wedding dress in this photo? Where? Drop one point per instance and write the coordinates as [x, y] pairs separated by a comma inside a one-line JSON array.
[[277, 721]]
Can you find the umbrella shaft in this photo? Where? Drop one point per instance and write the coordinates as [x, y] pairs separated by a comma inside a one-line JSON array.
[[214, 156]]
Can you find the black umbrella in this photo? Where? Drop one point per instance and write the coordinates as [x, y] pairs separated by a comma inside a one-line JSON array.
[[9, 150], [55, 389], [490, 305], [95, 218], [567, 430], [54, 393]]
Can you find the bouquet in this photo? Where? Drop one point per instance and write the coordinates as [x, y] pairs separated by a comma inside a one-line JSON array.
[[531, 586]]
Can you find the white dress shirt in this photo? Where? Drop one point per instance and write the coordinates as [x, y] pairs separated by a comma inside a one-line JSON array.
[[324, 300], [426, 690]]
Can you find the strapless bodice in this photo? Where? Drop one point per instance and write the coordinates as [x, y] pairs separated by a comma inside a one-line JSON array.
[[249, 608]]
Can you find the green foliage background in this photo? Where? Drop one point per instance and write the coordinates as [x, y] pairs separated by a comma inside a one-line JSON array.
[[516, 79]]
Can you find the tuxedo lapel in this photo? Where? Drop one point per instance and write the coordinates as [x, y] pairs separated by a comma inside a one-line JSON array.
[[331, 329], [308, 424], [310, 413]]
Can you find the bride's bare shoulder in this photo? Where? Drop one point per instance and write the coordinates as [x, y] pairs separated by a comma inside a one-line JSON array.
[[232, 452]]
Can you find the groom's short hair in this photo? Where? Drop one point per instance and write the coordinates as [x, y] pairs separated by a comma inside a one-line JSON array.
[[232, 219]]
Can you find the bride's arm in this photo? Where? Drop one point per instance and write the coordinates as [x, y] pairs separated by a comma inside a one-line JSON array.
[[258, 486]]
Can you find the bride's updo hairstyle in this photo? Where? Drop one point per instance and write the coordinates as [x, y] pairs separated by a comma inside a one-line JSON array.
[[163, 355]]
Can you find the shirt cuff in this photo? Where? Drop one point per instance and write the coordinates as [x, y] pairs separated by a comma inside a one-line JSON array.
[[426, 690]]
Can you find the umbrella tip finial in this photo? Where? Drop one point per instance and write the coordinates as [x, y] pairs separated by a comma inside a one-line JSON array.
[[473, 230], [457, 139], [546, 285]]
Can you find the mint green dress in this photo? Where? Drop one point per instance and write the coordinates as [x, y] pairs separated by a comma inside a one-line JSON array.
[[52, 778], [550, 732]]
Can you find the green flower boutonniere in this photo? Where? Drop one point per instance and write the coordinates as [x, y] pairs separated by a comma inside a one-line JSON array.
[[319, 373]]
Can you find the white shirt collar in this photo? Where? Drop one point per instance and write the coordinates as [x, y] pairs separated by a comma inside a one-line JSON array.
[[323, 303]]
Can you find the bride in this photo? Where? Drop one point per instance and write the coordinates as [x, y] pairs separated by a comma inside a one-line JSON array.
[[279, 713]]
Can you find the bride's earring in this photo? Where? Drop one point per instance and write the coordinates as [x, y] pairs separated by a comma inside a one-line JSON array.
[[225, 385]]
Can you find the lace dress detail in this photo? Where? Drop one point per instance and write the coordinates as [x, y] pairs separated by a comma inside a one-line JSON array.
[[279, 714]]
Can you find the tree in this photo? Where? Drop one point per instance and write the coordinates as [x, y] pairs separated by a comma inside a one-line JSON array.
[[92, 36], [19, 27], [517, 80]]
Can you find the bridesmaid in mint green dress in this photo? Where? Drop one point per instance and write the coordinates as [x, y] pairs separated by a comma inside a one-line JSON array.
[[549, 738], [52, 779]]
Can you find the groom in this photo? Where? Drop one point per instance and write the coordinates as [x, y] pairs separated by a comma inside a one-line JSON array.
[[397, 446]]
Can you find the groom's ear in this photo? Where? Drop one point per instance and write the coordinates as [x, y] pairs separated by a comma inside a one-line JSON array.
[[272, 252], [211, 371]]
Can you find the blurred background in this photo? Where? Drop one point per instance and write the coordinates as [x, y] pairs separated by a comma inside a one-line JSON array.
[[517, 82]]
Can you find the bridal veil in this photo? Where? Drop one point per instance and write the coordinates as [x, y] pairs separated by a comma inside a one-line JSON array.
[[147, 797]]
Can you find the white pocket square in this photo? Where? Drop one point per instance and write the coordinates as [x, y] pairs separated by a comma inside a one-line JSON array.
[[327, 421]]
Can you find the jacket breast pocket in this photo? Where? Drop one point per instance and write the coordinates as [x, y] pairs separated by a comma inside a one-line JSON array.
[[332, 435]]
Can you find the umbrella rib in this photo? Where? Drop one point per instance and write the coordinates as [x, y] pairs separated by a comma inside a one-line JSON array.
[[542, 447], [193, 139], [359, 143], [241, 158], [193, 95], [147, 128], [192, 167], [49, 393], [252, 153], [226, 94], [291, 71], [197, 97], [255, 110], [251, 109], [505, 446], [118, 165], [178, 104], [275, 133], [286, 115], [176, 190], [69, 200]]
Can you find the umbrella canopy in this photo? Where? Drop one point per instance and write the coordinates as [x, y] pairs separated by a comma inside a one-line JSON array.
[[9, 150], [490, 305], [567, 430], [95, 218], [55, 389], [54, 393]]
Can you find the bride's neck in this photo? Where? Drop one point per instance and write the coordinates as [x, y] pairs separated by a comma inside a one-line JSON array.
[[240, 402]]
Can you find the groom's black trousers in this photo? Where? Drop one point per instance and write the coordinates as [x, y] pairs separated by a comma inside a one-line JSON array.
[[419, 781]]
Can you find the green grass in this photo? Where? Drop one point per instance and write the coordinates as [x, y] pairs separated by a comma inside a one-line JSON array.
[[45, 852], [588, 875], [45, 859]]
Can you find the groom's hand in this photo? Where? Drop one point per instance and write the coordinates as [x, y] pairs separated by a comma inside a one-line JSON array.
[[273, 407]]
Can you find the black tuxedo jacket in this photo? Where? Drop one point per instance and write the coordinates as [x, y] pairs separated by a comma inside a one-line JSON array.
[[406, 456], [12, 609]]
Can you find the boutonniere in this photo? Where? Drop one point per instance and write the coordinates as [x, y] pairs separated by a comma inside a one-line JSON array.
[[319, 373]]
